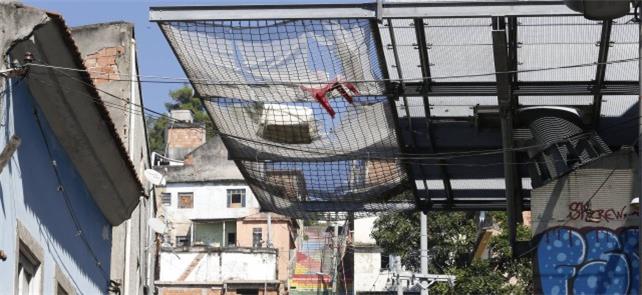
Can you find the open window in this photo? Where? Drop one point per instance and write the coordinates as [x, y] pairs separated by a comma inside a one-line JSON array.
[[236, 198], [185, 200]]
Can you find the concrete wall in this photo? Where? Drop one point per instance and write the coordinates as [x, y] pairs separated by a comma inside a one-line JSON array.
[[585, 231], [109, 51], [182, 140], [368, 275], [30, 195], [280, 240], [217, 266], [362, 230]]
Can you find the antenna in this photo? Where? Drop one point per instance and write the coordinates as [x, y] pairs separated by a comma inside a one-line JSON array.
[[155, 177], [157, 225]]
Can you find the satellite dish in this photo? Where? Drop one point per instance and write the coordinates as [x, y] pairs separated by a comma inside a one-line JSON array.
[[157, 225], [155, 177]]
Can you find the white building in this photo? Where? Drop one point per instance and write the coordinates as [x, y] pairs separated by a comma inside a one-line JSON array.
[[218, 239], [370, 271]]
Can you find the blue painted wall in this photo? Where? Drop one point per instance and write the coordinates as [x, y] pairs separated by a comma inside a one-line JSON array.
[[29, 192], [588, 261]]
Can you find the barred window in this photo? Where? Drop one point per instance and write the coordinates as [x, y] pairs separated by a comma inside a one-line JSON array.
[[166, 199]]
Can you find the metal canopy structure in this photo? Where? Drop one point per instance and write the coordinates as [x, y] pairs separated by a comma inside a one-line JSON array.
[[437, 85]]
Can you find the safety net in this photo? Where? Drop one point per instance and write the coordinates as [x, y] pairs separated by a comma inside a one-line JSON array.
[[330, 116], [300, 106]]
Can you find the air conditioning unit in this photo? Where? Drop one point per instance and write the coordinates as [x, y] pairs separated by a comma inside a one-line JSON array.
[[287, 124]]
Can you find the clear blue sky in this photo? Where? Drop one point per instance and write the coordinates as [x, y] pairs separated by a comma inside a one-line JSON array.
[[154, 55]]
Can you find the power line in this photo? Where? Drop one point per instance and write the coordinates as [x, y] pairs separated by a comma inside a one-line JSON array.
[[331, 152], [79, 231], [197, 81]]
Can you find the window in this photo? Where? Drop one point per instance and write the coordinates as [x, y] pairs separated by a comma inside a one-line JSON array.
[[236, 198], [185, 200], [166, 199], [257, 237], [385, 260], [182, 241], [231, 239], [28, 272]]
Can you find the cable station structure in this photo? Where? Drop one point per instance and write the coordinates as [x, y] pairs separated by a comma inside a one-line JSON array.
[[275, 79]]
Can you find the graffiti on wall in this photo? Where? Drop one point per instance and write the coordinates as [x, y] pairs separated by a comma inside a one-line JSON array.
[[588, 261], [582, 211]]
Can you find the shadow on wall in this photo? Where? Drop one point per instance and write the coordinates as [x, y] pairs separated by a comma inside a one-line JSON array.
[[44, 197]]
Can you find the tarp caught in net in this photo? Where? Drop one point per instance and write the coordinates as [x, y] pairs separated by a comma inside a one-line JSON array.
[[300, 106]]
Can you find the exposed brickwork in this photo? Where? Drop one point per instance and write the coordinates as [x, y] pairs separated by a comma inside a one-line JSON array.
[[102, 64], [185, 137]]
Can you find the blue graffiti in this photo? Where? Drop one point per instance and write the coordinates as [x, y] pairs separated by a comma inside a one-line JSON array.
[[593, 261]]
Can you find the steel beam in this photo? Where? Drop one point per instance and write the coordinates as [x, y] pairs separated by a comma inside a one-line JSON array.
[[403, 146], [438, 8], [535, 88], [424, 63], [605, 40], [505, 101]]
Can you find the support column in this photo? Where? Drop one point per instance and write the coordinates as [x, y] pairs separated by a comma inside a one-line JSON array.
[[398, 271], [505, 102], [269, 229], [640, 135], [424, 247]]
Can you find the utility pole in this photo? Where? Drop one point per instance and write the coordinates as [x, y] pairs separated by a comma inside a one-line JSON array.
[[424, 248], [398, 270], [335, 264]]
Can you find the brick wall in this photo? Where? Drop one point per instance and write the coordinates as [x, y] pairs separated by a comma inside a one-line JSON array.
[[102, 64], [185, 137]]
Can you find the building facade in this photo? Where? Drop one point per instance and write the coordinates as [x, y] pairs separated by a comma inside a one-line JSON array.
[[109, 53], [218, 239], [65, 176]]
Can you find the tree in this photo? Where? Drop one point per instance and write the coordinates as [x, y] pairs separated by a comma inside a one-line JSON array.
[[182, 99], [451, 239]]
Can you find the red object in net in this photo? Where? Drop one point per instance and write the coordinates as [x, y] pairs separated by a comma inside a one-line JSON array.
[[320, 94]]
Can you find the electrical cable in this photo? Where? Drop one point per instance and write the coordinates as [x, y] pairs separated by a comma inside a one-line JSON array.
[[297, 83], [333, 152], [79, 231]]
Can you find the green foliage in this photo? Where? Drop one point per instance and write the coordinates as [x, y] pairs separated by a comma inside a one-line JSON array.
[[182, 99], [156, 133], [451, 239]]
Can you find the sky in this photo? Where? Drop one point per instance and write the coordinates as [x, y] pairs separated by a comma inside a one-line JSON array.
[[154, 54]]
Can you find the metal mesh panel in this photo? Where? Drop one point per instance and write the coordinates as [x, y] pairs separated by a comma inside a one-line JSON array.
[[306, 152], [624, 45], [546, 42], [460, 46]]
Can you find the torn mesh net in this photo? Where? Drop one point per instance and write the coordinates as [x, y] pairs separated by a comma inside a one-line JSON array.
[[269, 60], [300, 107]]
